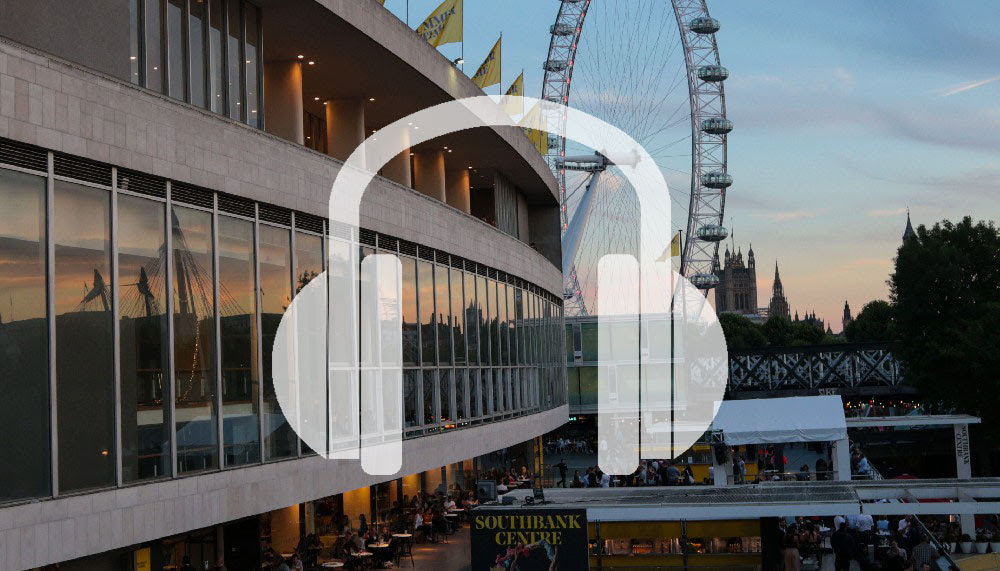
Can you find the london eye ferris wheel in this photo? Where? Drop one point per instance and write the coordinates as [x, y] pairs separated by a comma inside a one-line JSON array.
[[652, 69]]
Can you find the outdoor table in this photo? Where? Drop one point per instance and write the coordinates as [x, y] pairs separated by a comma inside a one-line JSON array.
[[377, 545], [332, 565], [403, 535], [286, 555]]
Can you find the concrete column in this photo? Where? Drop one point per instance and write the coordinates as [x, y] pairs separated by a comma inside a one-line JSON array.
[[457, 189], [428, 174], [842, 459], [283, 100], [963, 470], [345, 126], [398, 167]]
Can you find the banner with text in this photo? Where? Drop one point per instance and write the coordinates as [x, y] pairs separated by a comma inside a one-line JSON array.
[[528, 539]]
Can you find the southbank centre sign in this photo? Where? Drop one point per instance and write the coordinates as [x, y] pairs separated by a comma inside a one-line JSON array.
[[533, 538]]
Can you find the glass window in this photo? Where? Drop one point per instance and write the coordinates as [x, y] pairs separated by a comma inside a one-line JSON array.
[[475, 394], [24, 367], [196, 42], [461, 394], [194, 340], [511, 332], [430, 394], [308, 259], [502, 327], [84, 343], [472, 317], [570, 353], [142, 272], [275, 295], [457, 316], [443, 315], [445, 384], [176, 48], [498, 392], [411, 329], [252, 62], [425, 283], [484, 320], [411, 388], [133, 40], [234, 54], [486, 380], [588, 335], [519, 326], [496, 313], [238, 323], [216, 63], [154, 53]]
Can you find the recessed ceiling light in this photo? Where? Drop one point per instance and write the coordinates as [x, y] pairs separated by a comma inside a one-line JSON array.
[[301, 56], [371, 99], [312, 62], [410, 123], [316, 98], [449, 150], [325, 102], [446, 147]]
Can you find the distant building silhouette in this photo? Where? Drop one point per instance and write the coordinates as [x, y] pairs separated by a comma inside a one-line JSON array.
[[778, 305], [908, 232], [737, 289], [847, 315]]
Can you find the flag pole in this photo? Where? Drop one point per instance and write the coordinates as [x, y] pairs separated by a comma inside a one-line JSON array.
[[407, 13], [462, 55]]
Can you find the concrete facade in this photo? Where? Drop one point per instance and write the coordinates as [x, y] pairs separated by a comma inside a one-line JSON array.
[[42, 532]]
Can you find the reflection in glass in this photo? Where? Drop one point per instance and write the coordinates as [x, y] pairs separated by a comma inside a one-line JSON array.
[[475, 393], [275, 295], [411, 389], [484, 320], [425, 283], [84, 344], [496, 313], [411, 329], [430, 393], [498, 392], [142, 271], [445, 382], [457, 316], [502, 326], [250, 12], [519, 357], [511, 331], [443, 315], [486, 380], [154, 54], [24, 365], [176, 47], [195, 413], [216, 64], [196, 42], [234, 54], [238, 331], [471, 318], [461, 395]]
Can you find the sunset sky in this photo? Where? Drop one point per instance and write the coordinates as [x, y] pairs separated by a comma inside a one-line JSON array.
[[846, 114]]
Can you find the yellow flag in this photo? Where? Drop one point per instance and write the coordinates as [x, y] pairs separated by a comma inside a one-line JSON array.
[[489, 73], [516, 89], [674, 249], [534, 128], [444, 25]]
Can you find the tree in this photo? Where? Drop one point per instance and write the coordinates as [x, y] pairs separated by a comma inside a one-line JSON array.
[[946, 291], [805, 334], [778, 331], [741, 333], [876, 322]]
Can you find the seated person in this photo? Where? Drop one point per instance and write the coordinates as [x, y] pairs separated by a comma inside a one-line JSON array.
[[449, 504]]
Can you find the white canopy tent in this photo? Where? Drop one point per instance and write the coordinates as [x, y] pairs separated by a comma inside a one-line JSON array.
[[781, 420]]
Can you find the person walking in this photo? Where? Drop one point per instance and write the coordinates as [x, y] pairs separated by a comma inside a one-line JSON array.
[[561, 466], [923, 552], [793, 561], [845, 548]]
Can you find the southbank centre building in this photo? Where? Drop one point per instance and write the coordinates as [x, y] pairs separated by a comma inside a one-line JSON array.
[[165, 172]]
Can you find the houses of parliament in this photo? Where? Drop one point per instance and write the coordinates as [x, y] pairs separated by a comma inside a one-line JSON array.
[[737, 291]]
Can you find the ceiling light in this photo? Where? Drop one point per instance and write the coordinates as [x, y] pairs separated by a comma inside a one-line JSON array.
[[301, 56], [446, 147], [312, 63], [315, 98], [410, 123], [371, 99], [449, 150]]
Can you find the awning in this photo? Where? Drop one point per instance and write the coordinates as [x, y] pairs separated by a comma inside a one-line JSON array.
[[780, 420]]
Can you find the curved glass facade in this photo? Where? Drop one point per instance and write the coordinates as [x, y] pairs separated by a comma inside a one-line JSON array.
[[137, 317]]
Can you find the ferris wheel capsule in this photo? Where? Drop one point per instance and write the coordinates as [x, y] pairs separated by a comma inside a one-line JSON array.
[[713, 73], [716, 126], [712, 233], [704, 25], [704, 281], [562, 30], [717, 180]]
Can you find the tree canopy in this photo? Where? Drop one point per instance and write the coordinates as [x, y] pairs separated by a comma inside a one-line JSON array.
[[876, 322], [946, 292]]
